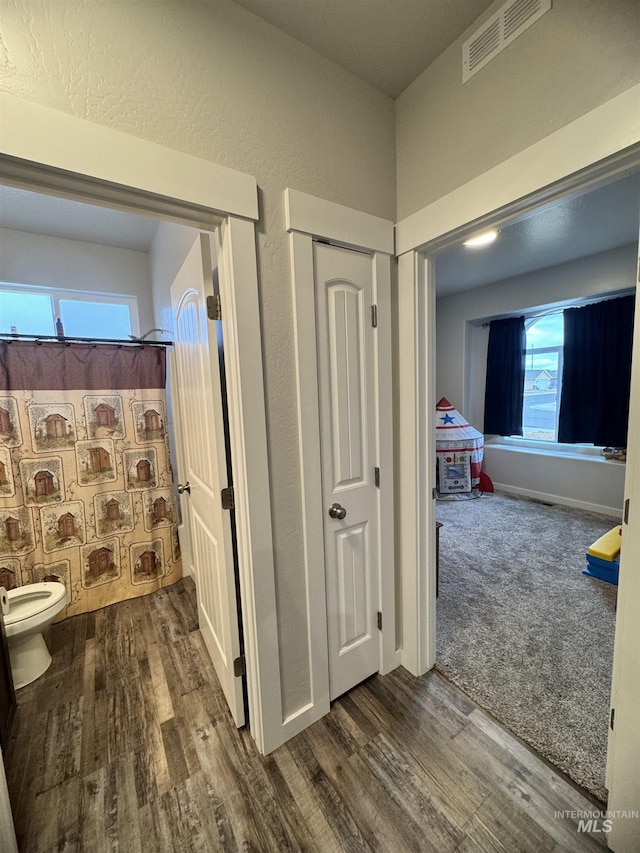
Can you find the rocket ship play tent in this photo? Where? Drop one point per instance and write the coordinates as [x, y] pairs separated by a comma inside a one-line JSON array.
[[459, 452]]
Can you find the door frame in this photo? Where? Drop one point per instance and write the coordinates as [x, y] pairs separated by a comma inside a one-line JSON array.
[[88, 162], [309, 218], [589, 151]]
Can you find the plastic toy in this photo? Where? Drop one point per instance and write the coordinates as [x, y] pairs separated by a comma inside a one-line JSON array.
[[603, 557]]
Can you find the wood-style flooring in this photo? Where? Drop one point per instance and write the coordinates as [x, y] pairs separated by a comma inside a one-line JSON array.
[[126, 745]]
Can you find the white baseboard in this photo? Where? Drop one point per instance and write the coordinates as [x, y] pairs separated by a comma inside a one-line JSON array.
[[615, 512]]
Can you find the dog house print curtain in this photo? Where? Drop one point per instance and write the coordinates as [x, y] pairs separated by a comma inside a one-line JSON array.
[[86, 492]]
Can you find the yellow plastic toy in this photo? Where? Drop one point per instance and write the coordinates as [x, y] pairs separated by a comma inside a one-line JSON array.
[[607, 547]]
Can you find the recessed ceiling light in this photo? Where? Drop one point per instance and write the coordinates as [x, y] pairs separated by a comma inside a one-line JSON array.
[[481, 240]]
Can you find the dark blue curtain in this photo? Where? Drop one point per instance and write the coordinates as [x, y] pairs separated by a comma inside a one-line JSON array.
[[596, 378], [504, 391]]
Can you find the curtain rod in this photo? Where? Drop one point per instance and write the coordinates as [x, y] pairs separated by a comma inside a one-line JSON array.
[[536, 313], [66, 339]]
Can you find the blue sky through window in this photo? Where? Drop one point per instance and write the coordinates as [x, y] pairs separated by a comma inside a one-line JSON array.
[[545, 332], [542, 377], [28, 313], [95, 319]]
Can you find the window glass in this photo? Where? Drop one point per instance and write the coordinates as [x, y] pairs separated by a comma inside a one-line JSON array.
[[546, 332], [542, 378], [26, 313], [95, 319]]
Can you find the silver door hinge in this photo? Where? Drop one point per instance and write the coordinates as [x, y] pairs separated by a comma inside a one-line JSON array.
[[239, 667], [214, 307], [227, 498], [379, 620], [434, 493], [626, 511], [612, 718], [374, 316], [376, 477]]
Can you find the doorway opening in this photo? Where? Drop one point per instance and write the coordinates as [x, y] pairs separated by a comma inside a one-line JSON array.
[[59, 241], [183, 204], [519, 627]]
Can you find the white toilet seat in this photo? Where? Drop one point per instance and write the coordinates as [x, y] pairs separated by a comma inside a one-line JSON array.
[[32, 608], [34, 599]]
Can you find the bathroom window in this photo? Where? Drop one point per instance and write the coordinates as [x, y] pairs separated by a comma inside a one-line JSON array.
[[34, 311]]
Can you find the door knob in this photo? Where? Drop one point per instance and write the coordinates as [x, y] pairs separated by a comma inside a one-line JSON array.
[[337, 511], [186, 488]]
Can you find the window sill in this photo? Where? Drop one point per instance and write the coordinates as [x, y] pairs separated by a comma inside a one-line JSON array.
[[583, 452]]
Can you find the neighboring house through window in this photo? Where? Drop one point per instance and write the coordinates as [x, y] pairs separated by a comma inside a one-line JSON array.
[[542, 377]]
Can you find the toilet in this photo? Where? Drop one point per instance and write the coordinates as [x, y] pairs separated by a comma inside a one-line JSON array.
[[32, 608]]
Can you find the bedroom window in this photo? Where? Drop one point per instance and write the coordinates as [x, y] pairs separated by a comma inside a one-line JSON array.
[[34, 310], [542, 378]]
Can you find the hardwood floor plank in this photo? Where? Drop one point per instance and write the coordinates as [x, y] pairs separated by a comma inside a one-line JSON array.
[[273, 830], [381, 821], [304, 796], [176, 763], [101, 727], [62, 745], [87, 750], [126, 804], [535, 782], [126, 745], [148, 823], [91, 818], [171, 624], [514, 829], [358, 723], [180, 822], [336, 811], [407, 789], [563, 830], [478, 839], [151, 758], [54, 825], [219, 774], [213, 814], [164, 705], [428, 752], [290, 806], [449, 708], [188, 663]]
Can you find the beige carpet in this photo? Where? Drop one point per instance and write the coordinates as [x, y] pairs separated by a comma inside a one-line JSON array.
[[523, 632]]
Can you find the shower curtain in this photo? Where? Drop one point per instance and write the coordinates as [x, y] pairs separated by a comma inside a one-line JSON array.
[[86, 492]]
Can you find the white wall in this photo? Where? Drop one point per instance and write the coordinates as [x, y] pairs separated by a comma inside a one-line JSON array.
[[579, 55], [170, 247], [73, 265], [213, 80], [461, 351]]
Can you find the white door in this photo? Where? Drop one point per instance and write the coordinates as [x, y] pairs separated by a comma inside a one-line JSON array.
[[623, 762], [197, 401], [343, 283]]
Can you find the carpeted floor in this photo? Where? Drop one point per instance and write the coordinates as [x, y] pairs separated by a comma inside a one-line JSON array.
[[523, 632]]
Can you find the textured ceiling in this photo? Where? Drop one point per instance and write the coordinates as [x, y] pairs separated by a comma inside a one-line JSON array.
[[564, 230], [59, 217], [388, 43]]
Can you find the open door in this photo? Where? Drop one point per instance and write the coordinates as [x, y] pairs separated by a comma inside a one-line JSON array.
[[197, 399], [623, 760]]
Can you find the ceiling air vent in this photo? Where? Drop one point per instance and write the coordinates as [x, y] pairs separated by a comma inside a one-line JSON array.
[[501, 29]]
